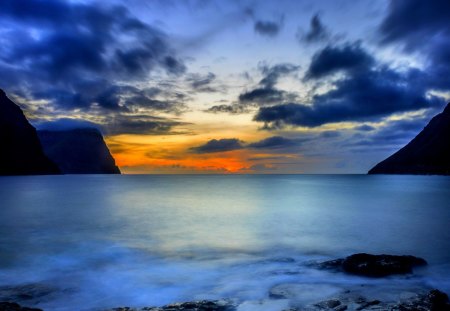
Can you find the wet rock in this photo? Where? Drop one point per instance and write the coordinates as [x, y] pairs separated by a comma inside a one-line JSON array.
[[29, 293], [12, 306], [281, 292], [329, 265], [368, 304], [374, 265], [204, 305], [424, 301], [328, 304], [435, 300]]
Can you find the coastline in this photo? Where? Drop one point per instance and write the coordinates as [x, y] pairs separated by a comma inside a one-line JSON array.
[[283, 297]]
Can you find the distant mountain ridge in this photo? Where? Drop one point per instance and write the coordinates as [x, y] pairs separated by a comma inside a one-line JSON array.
[[25, 151], [428, 153], [21, 152], [78, 151]]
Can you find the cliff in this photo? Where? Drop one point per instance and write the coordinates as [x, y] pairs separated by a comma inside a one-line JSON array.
[[21, 152], [78, 151], [427, 153]]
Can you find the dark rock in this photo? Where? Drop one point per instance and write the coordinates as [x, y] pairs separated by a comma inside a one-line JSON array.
[[438, 300], [21, 152], [328, 304], [368, 304], [28, 293], [375, 265], [435, 300], [335, 264], [12, 306], [427, 153], [380, 265], [203, 305], [78, 151]]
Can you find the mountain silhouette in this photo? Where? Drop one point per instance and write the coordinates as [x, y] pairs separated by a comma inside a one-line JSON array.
[[78, 151], [427, 153], [21, 152]]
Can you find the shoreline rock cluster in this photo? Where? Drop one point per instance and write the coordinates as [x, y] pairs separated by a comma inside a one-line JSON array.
[[367, 265], [374, 265]]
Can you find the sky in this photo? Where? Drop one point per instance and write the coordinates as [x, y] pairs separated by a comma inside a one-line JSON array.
[[235, 86]]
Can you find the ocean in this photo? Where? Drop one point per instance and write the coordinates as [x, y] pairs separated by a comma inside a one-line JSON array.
[[103, 241]]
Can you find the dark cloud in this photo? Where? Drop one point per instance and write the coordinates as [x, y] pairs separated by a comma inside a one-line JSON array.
[[331, 59], [273, 142], [367, 91], [273, 73], [364, 96], [139, 124], [330, 134], [267, 28], [269, 158], [270, 143], [65, 124], [364, 128], [422, 27], [266, 92], [411, 21], [316, 33], [114, 124], [262, 96], [202, 83], [231, 109], [219, 145], [393, 134], [83, 56]]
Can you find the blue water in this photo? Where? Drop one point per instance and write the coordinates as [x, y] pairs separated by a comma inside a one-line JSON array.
[[108, 241]]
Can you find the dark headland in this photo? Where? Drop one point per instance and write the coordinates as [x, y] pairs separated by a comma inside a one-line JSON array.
[[21, 152], [78, 151], [26, 151], [428, 153]]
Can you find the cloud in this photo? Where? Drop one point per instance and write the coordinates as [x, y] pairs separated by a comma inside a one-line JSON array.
[[64, 124], [114, 124], [268, 28], [273, 142], [231, 109], [316, 33], [332, 59], [273, 73], [202, 83], [330, 134], [262, 96], [393, 134], [410, 21], [219, 145], [368, 90], [260, 168], [364, 128], [139, 124], [77, 55], [411, 24], [229, 144], [266, 92]]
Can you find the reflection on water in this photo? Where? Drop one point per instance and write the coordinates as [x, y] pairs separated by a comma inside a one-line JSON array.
[[148, 240]]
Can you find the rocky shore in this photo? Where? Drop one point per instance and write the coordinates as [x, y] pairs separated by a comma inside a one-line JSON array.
[[16, 298]]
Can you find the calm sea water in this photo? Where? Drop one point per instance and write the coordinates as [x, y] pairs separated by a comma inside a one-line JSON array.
[[108, 241]]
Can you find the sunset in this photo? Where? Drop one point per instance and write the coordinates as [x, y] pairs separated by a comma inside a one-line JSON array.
[[224, 155], [160, 78]]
